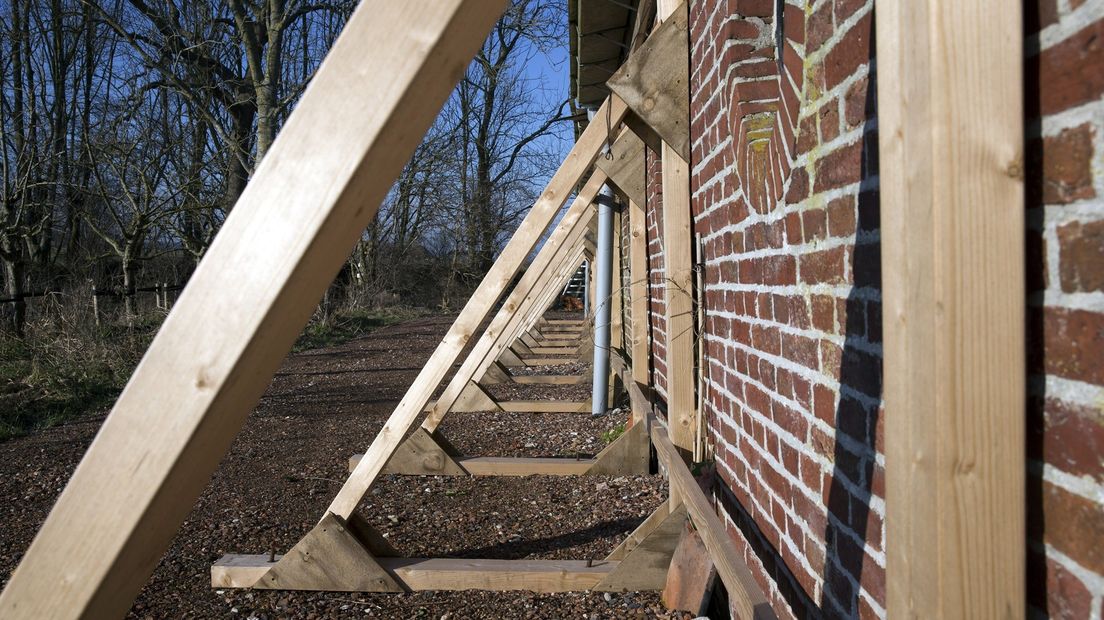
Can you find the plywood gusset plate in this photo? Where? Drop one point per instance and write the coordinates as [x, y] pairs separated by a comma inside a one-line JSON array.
[[655, 82]]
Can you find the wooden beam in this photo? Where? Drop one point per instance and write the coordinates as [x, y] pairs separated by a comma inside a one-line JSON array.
[[952, 214], [540, 216], [645, 566], [638, 299], [509, 320], [655, 80], [349, 564], [306, 205], [617, 295], [532, 307], [492, 466], [551, 379], [417, 574], [548, 361], [658, 516], [743, 591], [568, 350], [511, 466], [625, 166], [506, 324], [678, 262], [630, 453], [545, 406]]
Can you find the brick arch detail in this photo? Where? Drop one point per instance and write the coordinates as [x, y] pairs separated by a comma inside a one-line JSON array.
[[763, 97]]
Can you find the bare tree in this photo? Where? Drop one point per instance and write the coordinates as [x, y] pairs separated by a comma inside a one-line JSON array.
[[501, 114], [131, 165]]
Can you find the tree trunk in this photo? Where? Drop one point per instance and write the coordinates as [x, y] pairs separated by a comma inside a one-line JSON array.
[[128, 290], [16, 311]]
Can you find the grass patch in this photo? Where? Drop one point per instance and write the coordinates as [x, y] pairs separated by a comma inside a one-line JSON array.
[[344, 325], [612, 434], [66, 366], [46, 379]]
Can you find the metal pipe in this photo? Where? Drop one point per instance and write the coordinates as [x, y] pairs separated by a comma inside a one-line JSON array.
[[603, 284], [586, 288], [602, 295]]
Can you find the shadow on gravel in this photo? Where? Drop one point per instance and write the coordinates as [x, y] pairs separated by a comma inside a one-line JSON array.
[[521, 549]]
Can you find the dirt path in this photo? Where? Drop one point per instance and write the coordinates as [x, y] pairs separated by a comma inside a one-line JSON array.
[[290, 459]]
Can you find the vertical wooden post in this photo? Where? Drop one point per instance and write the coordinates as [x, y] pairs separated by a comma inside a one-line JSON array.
[[951, 148], [679, 285], [95, 306], [616, 335], [638, 299]]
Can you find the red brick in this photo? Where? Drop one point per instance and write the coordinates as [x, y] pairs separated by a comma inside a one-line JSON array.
[[755, 8], [1061, 167], [841, 217], [792, 422], [1081, 252], [815, 224], [819, 27], [823, 443], [1073, 344], [1055, 590], [799, 186], [779, 270], [824, 317], [755, 69], [847, 8], [799, 349], [740, 30], [799, 313], [824, 404], [765, 306], [766, 339], [855, 103], [1074, 525], [828, 119], [1067, 74], [830, 355], [841, 167], [826, 266], [811, 476], [850, 53], [1067, 436]]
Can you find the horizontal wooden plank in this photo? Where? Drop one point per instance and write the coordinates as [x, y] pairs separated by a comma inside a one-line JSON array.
[[513, 466], [545, 406], [747, 599], [546, 350], [243, 571], [548, 361], [551, 379]]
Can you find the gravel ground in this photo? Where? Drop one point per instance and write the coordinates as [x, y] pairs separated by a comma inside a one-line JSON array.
[[290, 459]]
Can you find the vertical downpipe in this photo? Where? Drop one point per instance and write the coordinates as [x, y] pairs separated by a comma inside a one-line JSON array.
[[604, 285], [586, 289]]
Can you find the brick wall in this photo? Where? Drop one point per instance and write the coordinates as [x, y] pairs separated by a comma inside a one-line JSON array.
[[1064, 77], [786, 205], [656, 274], [785, 197], [785, 208]]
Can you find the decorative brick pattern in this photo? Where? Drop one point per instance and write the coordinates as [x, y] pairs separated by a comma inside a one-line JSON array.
[[785, 198], [1064, 97]]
